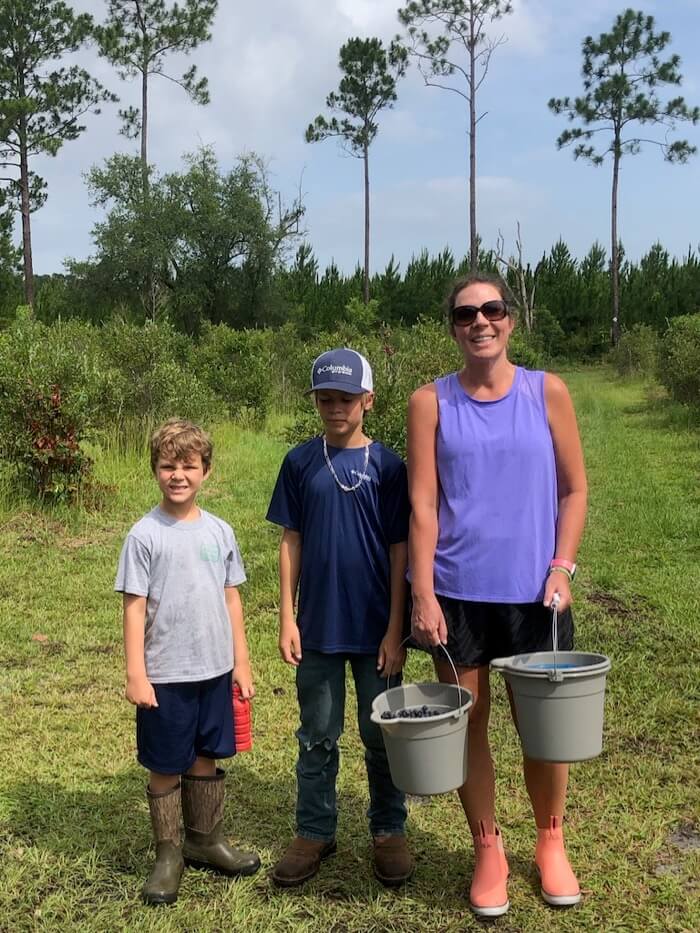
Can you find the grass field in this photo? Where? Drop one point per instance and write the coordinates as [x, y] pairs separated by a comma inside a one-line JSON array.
[[74, 831]]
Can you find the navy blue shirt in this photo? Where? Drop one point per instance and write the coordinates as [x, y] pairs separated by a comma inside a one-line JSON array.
[[344, 587]]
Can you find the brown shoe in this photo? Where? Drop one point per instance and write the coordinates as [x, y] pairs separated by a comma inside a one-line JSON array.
[[393, 862], [301, 861]]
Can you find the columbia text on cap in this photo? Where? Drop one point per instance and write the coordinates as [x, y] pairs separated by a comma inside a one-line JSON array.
[[344, 370]]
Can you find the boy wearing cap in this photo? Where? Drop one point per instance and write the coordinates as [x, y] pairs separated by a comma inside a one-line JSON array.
[[342, 500]]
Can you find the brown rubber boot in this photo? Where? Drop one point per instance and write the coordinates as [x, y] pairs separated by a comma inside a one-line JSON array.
[[205, 845], [301, 861], [163, 882], [393, 862]]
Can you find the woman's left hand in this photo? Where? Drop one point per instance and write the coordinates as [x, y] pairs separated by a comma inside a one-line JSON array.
[[558, 583]]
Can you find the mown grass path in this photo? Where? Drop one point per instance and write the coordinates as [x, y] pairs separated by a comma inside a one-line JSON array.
[[74, 833]]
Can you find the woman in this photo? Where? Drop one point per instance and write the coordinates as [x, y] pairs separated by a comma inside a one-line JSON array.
[[498, 495]]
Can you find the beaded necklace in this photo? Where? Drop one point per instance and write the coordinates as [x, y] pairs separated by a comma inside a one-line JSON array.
[[343, 486]]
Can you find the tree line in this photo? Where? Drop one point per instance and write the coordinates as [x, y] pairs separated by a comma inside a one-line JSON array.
[[206, 244]]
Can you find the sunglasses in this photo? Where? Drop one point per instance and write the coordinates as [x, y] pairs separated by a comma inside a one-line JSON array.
[[465, 315]]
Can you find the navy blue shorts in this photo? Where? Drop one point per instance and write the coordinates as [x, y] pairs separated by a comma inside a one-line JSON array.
[[191, 719], [479, 632]]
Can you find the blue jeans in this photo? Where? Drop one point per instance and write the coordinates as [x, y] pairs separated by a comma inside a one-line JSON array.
[[321, 695]]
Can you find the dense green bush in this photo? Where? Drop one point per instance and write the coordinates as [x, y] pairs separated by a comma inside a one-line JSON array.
[[636, 352], [679, 359], [155, 377], [548, 334], [69, 382], [237, 367], [53, 394]]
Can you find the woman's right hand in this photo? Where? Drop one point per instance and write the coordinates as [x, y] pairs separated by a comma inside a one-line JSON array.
[[428, 625]]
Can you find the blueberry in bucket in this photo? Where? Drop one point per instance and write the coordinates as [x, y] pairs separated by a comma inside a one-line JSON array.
[[415, 712]]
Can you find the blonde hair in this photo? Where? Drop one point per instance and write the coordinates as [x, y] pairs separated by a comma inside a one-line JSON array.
[[180, 439]]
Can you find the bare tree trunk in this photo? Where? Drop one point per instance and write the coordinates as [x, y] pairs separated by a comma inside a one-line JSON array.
[[149, 296], [615, 254], [25, 209], [365, 284], [473, 244], [144, 124]]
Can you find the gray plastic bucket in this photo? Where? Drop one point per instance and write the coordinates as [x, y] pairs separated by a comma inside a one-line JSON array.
[[426, 756], [559, 698]]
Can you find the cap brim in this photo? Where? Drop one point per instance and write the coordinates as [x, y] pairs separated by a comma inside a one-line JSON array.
[[339, 387]]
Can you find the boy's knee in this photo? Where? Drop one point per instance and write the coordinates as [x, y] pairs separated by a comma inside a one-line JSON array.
[[321, 741]]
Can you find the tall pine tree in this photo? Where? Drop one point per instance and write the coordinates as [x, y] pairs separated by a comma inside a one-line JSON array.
[[368, 85], [41, 105], [622, 70]]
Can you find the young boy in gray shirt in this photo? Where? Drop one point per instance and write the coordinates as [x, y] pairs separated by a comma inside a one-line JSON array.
[[185, 644]]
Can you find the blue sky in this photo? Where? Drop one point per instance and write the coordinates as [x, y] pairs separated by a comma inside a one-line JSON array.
[[270, 66]]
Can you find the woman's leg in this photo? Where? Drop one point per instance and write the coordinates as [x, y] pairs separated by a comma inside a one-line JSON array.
[[477, 794], [546, 782], [488, 894]]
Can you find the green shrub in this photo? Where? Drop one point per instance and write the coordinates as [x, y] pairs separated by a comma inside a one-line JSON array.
[[549, 334], [237, 367], [362, 316], [155, 377], [679, 359], [636, 353], [52, 394]]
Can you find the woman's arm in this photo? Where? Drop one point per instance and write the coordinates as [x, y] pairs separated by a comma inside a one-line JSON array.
[[428, 623], [572, 488]]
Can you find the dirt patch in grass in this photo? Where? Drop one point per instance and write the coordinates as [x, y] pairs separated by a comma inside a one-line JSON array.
[[28, 528], [686, 836], [32, 528], [48, 647], [623, 615], [684, 839], [633, 607], [102, 649]]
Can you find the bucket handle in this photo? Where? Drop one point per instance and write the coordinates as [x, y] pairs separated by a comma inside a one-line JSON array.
[[555, 675], [452, 665]]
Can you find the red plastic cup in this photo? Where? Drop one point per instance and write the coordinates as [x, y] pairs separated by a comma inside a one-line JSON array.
[[242, 721]]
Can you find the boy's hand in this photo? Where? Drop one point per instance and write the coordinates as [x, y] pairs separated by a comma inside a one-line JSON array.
[[140, 692], [290, 643], [391, 656], [243, 676]]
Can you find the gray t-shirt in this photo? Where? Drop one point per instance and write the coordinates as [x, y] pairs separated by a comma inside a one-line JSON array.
[[182, 569]]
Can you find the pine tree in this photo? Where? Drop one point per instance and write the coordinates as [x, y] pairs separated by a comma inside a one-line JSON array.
[[622, 71]]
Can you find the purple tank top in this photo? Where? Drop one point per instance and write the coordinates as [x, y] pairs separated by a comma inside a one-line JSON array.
[[498, 492]]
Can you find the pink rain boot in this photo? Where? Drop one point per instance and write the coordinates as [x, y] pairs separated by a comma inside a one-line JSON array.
[[559, 886], [488, 896]]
